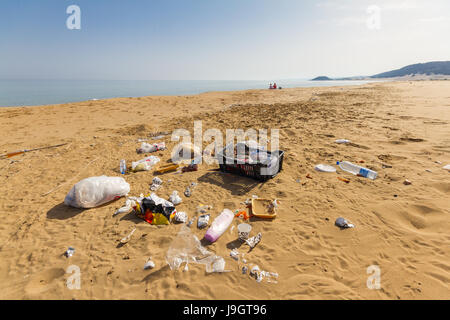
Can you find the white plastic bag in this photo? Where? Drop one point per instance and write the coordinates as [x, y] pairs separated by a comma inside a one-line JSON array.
[[95, 191]]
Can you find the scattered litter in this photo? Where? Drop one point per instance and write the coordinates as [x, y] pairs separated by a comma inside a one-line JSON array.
[[189, 224], [149, 264], [242, 214], [385, 165], [126, 208], [203, 221], [344, 179], [128, 237], [188, 191], [145, 164], [342, 141], [148, 148], [244, 270], [181, 217], [70, 251], [438, 162], [357, 170], [175, 198], [308, 176], [447, 167], [325, 168], [407, 182], [253, 241], [186, 248], [203, 208], [234, 254], [218, 265], [219, 225], [95, 191], [342, 223], [244, 231], [259, 275], [428, 170], [298, 181], [156, 184]]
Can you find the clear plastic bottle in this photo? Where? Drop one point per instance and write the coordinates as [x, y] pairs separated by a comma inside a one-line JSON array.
[[219, 225], [357, 170], [123, 166]]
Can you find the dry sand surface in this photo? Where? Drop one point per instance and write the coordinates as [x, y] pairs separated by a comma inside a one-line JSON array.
[[401, 228]]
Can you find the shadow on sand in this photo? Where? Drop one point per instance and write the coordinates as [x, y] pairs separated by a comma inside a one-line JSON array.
[[236, 184]]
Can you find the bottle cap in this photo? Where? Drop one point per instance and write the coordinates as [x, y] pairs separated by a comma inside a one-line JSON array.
[[337, 162]]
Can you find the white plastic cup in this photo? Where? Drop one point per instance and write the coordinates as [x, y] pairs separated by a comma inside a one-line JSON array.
[[244, 231]]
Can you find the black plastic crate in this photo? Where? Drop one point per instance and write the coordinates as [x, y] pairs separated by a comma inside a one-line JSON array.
[[259, 171]]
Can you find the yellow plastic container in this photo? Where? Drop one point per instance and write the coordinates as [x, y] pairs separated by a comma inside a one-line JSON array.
[[167, 168], [263, 208]]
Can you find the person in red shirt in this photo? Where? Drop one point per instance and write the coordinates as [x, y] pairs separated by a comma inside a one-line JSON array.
[[274, 85]]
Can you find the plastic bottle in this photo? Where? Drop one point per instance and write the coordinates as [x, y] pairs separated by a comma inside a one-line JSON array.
[[123, 166], [219, 225], [357, 170]]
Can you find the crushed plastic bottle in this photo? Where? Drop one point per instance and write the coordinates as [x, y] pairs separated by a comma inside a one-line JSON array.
[[70, 251], [357, 170], [343, 223]]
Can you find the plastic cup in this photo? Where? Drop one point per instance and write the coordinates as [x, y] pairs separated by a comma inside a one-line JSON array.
[[244, 231]]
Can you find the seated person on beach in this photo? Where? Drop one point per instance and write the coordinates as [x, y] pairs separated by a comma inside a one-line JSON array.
[[274, 85]]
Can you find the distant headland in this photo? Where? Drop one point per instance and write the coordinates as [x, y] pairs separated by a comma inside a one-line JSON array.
[[438, 70]]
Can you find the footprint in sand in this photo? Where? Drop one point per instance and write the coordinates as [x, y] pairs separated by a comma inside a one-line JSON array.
[[43, 281], [408, 139], [390, 157]]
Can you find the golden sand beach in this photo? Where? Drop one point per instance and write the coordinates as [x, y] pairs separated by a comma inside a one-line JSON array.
[[402, 229]]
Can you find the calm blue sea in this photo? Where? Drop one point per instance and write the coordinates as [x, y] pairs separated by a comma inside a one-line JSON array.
[[40, 92]]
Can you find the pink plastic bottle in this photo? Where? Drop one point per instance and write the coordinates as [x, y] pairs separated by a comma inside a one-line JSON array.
[[219, 225]]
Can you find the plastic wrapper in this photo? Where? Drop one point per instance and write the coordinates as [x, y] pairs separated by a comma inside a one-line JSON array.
[[147, 147], [186, 248], [154, 210], [145, 164], [95, 191]]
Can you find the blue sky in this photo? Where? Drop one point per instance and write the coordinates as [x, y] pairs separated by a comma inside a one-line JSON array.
[[218, 39]]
